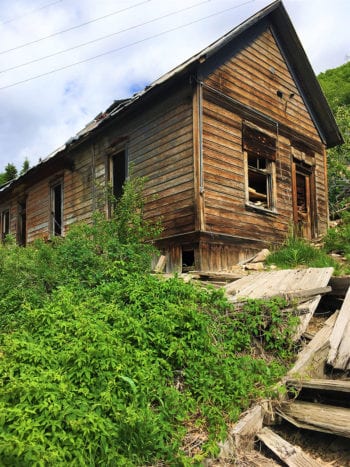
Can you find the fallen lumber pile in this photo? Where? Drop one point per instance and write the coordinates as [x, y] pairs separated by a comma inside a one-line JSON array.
[[316, 402], [303, 287]]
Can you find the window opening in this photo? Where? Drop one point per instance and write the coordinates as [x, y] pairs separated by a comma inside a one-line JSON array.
[[56, 209], [188, 263], [118, 173], [5, 224], [22, 223], [260, 155], [259, 182]]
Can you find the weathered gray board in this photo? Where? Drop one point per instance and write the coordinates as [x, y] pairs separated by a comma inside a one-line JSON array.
[[339, 353], [291, 455], [291, 283], [311, 360], [326, 385], [317, 417], [283, 282]]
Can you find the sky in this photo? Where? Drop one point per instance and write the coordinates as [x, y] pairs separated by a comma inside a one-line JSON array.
[[64, 61]]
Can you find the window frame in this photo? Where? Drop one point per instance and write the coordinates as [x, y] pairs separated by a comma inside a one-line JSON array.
[[112, 176], [259, 146], [5, 222]]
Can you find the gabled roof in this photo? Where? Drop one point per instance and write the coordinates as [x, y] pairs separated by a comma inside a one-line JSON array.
[[276, 15]]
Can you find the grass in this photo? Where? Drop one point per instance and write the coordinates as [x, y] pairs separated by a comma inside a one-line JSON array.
[[296, 252]]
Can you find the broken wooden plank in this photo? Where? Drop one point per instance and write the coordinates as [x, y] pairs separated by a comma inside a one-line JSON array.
[[221, 276], [339, 353], [337, 385], [290, 454], [317, 417], [243, 433], [292, 282], [245, 430], [306, 293], [312, 358], [160, 266]]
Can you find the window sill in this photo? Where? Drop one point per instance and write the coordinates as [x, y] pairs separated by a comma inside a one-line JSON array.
[[261, 210]]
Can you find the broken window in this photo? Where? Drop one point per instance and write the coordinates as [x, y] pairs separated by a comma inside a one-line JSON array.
[[5, 224], [56, 209], [260, 155], [118, 173], [22, 223]]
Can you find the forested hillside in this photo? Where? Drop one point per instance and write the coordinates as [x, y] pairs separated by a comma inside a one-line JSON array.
[[336, 86]]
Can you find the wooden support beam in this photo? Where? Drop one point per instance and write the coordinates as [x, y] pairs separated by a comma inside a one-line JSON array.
[[317, 417], [291, 455]]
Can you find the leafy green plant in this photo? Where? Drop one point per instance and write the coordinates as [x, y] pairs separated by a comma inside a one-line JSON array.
[[337, 240], [105, 364], [108, 376]]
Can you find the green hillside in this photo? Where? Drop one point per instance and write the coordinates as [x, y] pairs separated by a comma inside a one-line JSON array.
[[336, 86]]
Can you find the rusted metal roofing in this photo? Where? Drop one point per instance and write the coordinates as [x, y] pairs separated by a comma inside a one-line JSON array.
[[295, 56]]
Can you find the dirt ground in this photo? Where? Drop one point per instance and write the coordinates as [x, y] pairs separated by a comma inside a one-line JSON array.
[[334, 450]]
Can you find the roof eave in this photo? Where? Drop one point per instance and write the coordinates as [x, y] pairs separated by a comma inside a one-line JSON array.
[[306, 78]]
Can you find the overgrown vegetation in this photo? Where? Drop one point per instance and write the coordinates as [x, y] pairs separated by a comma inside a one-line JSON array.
[[105, 364], [296, 251], [337, 240], [336, 86]]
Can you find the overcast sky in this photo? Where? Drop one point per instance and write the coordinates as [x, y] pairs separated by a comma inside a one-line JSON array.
[[137, 41]]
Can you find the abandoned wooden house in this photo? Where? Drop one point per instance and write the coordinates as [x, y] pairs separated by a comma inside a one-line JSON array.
[[232, 142]]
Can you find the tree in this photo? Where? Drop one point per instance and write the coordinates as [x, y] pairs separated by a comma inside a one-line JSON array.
[[339, 166], [10, 173], [336, 85], [25, 166]]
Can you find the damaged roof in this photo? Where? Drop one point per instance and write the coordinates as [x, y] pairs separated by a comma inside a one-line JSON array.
[[279, 20]]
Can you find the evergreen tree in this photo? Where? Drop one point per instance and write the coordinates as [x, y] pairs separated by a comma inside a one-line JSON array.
[[25, 166], [10, 172]]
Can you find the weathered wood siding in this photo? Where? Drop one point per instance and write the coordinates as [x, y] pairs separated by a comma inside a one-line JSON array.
[[38, 210], [159, 144], [159, 147], [253, 77], [79, 187]]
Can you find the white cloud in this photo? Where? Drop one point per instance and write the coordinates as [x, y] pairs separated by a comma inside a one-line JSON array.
[[41, 114]]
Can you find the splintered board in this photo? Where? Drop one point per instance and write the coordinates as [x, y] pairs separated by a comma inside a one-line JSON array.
[[317, 417]]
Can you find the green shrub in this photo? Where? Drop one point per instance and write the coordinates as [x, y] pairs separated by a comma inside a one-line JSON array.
[[109, 376], [102, 363], [338, 238]]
